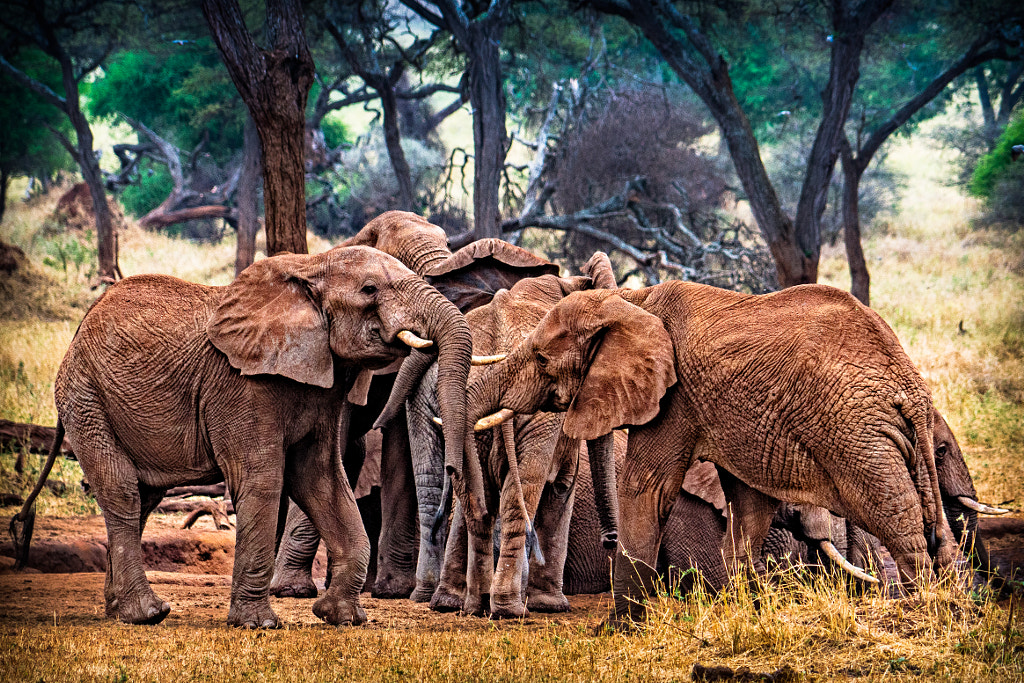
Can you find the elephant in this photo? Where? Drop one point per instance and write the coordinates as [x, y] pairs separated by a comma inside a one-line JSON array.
[[170, 383], [803, 395], [523, 458], [468, 278], [792, 537]]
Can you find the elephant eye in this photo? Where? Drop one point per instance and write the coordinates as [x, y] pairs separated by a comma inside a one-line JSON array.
[[940, 451], [542, 360], [369, 289]]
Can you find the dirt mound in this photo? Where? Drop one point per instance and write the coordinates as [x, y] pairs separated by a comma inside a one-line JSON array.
[[26, 292]]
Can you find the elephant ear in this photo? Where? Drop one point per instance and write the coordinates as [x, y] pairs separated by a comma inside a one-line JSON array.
[[470, 277], [632, 365], [268, 321], [702, 480]]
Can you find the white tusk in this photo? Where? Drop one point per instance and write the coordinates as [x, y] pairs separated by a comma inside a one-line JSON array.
[[437, 421], [414, 341], [838, 558], [487, 360], [972, 504], [492, 420]]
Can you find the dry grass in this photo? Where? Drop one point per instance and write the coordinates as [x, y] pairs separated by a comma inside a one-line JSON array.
[[815, 628]]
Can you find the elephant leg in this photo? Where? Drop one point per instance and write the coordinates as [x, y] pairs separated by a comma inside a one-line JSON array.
[[885, 501], [652, 476], [293, 568], [128, 595], [507, 581], [319, 487], [750, 518], [399, 538], [479, 565], [554, 514], [451, 587], [256, 487], [691, 542], [427, 450]]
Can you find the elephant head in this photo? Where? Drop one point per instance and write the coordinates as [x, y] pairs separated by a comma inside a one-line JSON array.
[[294, 315], [602, 360]]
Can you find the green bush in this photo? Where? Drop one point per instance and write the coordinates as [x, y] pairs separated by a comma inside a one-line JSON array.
[[335, 132], [154, 185], [992, 167]]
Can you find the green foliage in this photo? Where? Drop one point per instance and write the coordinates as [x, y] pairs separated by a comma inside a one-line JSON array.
[[67, 250], [335, 131], [183, 92], [27, 146], [154, 186], [995, 165]]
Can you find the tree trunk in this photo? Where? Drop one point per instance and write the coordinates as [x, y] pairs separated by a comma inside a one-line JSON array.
[[248, 219], [991, 132], [488, 101], [860, 279], [393, 140], [274, 85], [5, 179]]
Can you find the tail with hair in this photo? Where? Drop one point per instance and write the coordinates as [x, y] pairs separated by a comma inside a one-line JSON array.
[[23, 523]]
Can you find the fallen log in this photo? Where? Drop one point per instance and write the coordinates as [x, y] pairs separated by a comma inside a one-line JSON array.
[[22, 436], [218, 512], [211, 491], [179, 505]]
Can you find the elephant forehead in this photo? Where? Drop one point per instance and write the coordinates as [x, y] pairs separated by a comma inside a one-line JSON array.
[[366, 262]]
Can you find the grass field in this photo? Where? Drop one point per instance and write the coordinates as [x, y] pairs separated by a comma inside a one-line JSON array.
[[952, 294]]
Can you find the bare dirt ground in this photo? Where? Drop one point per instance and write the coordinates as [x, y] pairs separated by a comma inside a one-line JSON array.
[[191, 570]]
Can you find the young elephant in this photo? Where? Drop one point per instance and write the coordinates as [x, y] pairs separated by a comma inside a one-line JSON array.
[[804, 395], [170, 383]]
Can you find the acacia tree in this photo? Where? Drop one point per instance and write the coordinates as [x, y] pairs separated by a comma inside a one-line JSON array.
[[477, 29], [274, 84], [77, 35], [687, 47]]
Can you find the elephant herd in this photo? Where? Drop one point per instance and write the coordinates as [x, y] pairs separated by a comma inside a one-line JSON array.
[[539, 434]]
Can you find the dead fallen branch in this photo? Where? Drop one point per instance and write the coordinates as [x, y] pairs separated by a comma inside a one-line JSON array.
[[178, 505], [211, 491], [219, 512]]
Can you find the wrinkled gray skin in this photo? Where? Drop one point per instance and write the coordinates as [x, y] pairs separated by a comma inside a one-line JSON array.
[[546, 469], [169, 383], [468, 278]]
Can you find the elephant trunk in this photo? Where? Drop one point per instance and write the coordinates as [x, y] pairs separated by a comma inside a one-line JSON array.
[[410, 374], [455, 345], [601, 452]]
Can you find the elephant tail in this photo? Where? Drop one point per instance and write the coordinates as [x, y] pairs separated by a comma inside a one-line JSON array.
[[23, 523], [925, 473], [443, 510]]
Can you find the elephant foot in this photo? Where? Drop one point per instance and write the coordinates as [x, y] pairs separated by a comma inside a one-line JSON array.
[[252, 615], [392, 587], [476, 605], [445, 600], [423, 592], [548, 602], [508, 609], [293, 585], [339, 611], [146, 609]]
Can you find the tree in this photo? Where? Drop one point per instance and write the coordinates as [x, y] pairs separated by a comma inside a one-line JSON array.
[[274, 84], [477, 29], [27, 147], [687, 47], [77, 35]]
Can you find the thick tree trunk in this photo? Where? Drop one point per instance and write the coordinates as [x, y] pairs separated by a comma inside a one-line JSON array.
[[5, 179], [488, 101], [860, 279], [248, 219], [988, 114], [393, 140], [274, 85]]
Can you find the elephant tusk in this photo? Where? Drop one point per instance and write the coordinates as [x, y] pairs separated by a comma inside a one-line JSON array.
[[436, 420], [838, 558], [972, 504], [492, 420], [487, 360], [414, 341]]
